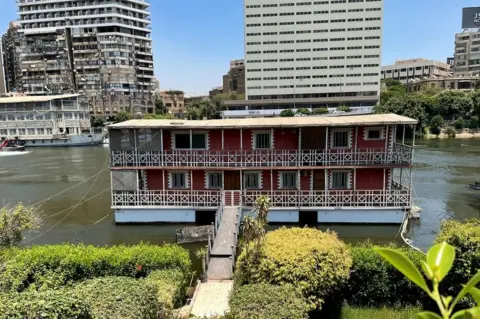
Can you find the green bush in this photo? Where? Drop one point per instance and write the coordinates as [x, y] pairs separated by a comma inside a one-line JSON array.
[[43, 304], [450, 131], [262, 301], [304, 111], [459, 123], [56, 266], [120, 297], [465, 237], [474, 123], [287, 113], [344, 108], [321, 110], [435, 124], [171, 288], [316, 262], [375, 283]]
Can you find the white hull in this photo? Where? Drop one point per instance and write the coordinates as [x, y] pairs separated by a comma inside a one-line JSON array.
[[69, 141]]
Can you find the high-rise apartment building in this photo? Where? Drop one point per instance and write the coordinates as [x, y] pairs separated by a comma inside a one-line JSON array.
[[328, 52], [467, 54], [11, 61], [99, 48]]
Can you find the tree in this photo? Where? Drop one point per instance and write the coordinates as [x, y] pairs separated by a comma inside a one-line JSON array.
[[459, 124], [98, 121], [160, 106], [287, 113], [166, 116], [475, 96], [122, 117], [452, 102], [15, 222], [303, 111], [435, 124], [473, 123]]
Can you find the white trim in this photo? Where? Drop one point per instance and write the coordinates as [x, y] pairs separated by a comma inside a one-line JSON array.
[[187, 179], [207, 140], [206, 179], [348, 130], [280, 179], [368, 129], [272, 139], [349, 179], [260, 179]]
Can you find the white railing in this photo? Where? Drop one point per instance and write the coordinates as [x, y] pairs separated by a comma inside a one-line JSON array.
[[279, 199], [398, 155], [166, 198]]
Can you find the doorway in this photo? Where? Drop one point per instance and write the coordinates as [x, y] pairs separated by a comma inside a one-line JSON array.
[[204, 217], [308, 218], [231, 180], [319, 180]]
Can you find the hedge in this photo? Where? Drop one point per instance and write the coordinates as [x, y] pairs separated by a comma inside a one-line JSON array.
[[56, 266], [465, 237], [43, 304], [315, 262], [262, 301], [171, 289], [376, 283]]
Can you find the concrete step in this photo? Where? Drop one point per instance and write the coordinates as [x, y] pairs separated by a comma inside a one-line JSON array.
[[211, 299], [220, 268]]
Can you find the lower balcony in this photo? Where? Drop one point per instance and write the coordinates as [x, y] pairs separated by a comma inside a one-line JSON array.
[[399, 197]]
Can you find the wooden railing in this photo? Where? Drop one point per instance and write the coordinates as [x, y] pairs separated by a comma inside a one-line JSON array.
[[398, 155], [279, 199]]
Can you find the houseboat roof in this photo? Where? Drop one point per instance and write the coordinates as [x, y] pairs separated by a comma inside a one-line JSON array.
[[305, 121], [34, 98]]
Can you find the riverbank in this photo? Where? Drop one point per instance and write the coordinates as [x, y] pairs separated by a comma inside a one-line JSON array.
[[465, 134]]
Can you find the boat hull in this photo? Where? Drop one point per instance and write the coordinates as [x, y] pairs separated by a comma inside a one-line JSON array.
[[13, 149], [71, 141]]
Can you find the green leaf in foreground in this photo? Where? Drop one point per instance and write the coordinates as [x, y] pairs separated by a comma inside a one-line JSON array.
[[467, 288], [428, 315], [440, 259], [405, 266], [475, 294]]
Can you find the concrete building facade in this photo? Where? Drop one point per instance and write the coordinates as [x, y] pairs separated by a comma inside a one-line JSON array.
[[234, 80], [11, 62], [467, 54], [296, 49], [101, 49], [408, 70]]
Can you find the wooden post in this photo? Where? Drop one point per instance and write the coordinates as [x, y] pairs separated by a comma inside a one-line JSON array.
[[326, 148], [162, 151], [384, 178], [223, 140], [191, 140], [356, 145], [241, 139], [163, 179], [271, 182], [191, 180], [354, 179], [403, 135], [299, 157], [411, 173]]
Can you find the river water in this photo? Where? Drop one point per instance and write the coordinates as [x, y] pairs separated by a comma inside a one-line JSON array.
[[443, 168]]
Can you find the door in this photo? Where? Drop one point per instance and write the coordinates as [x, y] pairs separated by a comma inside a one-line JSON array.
[[319, 180], [231, 180], [313, 138]]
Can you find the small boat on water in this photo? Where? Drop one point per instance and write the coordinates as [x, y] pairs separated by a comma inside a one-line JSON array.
[[475, 186], [9, 145]]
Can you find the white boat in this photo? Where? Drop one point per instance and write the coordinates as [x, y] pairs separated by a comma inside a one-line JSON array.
[[48, 121]]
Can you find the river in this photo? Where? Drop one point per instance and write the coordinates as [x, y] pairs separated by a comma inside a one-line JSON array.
[[443, 168]]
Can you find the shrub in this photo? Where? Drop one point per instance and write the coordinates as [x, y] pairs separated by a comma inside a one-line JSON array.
[[170, 286], [119, 297], [316, 262], [474, 123], [465, 237], [459, 123], [435, 123], [15, 222], [321, 110], [262, 301], [287, 113], [304, 111], [43, 304], [375, 283], [54, 266], [450, 131], [343, 108]]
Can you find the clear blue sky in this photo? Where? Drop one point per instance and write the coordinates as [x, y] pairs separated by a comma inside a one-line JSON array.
[[194, 40]]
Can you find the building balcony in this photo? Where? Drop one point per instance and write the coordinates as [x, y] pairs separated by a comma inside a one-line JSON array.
[[395, 198], [399, 155]]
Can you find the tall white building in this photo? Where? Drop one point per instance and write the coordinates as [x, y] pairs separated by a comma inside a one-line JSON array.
[[328, 52], [99, 48]]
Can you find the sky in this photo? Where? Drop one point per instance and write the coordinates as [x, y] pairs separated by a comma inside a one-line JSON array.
[[194, 40]]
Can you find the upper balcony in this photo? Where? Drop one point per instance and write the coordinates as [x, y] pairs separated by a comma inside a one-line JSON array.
[[398, 155]]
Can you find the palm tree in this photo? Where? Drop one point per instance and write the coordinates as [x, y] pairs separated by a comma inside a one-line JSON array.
[[262, 205]]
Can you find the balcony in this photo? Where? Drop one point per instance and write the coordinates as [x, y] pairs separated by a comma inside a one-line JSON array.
[[398, 155], [397, 198]]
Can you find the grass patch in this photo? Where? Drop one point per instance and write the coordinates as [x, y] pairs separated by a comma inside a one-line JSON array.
[[371, 313]]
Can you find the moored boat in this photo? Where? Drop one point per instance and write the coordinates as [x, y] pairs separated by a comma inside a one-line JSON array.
[[475, 186]]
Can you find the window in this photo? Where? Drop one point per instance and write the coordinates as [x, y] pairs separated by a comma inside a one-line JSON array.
[[288, 180], [341, 139], [182, 141], [262, 141], [340, 180], [178, 180], [374, 133], [252, 180], [214, 180]]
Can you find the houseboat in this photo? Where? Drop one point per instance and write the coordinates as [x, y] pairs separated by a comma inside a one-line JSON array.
[[47, 121], [314, 169]]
